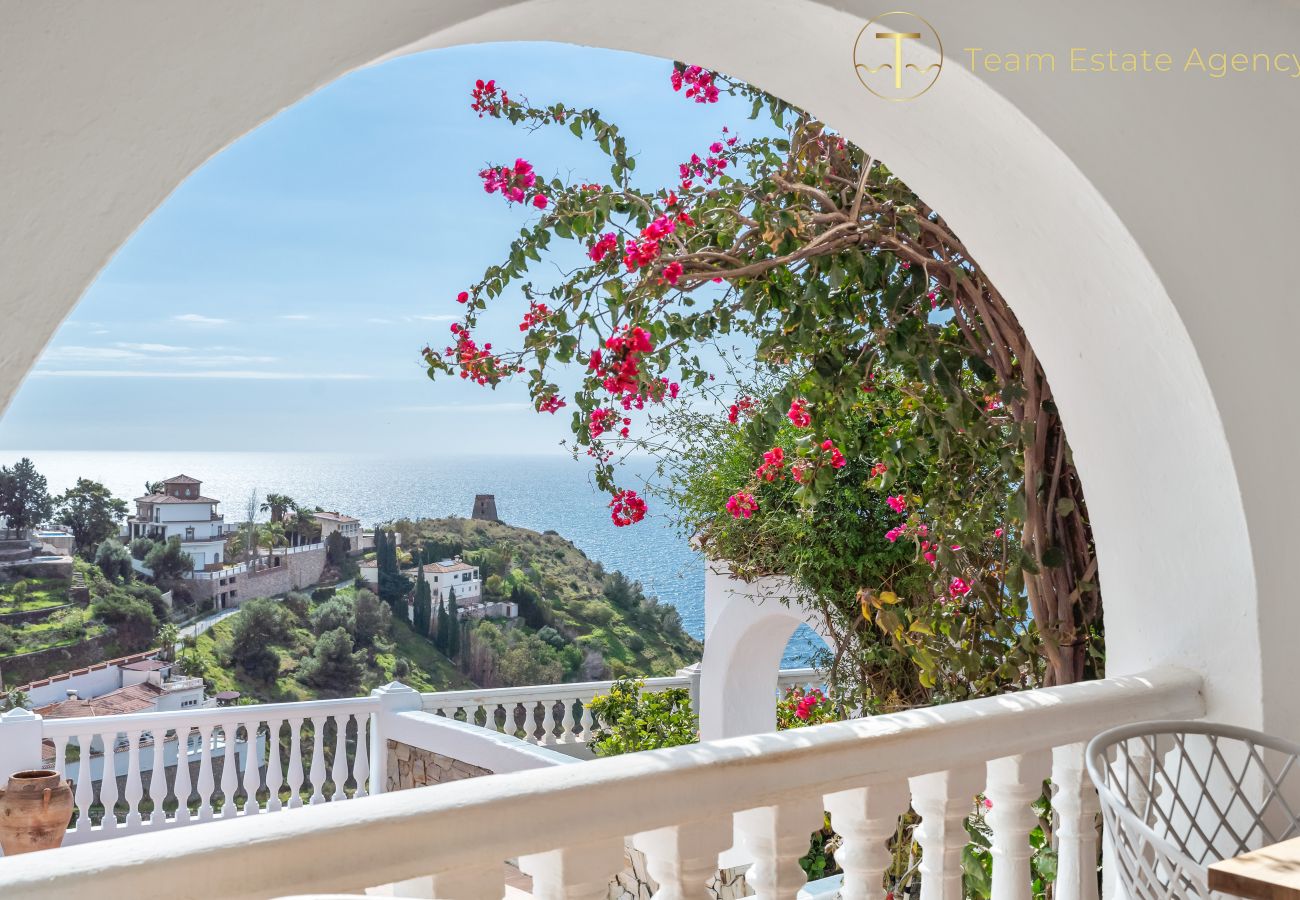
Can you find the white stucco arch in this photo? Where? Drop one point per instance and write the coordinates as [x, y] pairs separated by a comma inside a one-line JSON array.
[[1089, 200], [747, 626]]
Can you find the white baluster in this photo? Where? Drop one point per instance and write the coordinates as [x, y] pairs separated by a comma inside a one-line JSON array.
[[134, 786], [588, 722], [566, 722], [1014, 783], [229, 769], [252, 768], [158, 778], [471, 713], [865, 819], [206, 782], [548, 723], [361, 763], [108, 783], [295, 763], [575, 873], [507, 723], [60, 757], [182, 787], [776, 837], [467, 883], [339, 771], [1076, 807], [317, 774], [275, 770], [944, 800], [84, 794], [682, 859]]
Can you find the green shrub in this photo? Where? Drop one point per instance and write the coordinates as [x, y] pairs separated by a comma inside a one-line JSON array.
[[629, 720]]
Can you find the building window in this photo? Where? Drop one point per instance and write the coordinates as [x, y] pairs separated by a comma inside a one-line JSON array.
[[189, 534], [234, 594]]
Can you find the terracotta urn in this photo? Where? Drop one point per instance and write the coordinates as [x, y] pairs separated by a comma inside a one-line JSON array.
[[35, 808]]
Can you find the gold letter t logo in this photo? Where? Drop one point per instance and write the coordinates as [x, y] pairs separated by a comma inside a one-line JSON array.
[[898, 37]]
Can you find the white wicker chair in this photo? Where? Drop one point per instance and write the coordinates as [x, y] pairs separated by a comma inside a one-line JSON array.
[[1178, 796]]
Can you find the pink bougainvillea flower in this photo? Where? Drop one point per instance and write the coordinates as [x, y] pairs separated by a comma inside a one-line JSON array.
[[537, 313], [626, 508], [879, 469], [893, 534], [773, 466], [489, 99], [550, 404], [462, 297], [798, 414], [742, 407], [540, 201], [742, 505], [958, 586], [672, 272], [605, 245], [896, 503], [698, 83]]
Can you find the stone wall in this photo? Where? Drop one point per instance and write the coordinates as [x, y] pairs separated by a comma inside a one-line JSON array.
[[15, 670], [411, 767], [295, 572]]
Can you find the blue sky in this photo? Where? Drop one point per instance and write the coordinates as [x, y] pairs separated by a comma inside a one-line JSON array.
[[280, 297]]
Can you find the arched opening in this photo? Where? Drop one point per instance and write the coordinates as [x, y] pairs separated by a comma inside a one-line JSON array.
[[1089, 299]]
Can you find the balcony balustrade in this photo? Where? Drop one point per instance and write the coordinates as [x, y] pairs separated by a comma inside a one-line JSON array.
[[750, 800]]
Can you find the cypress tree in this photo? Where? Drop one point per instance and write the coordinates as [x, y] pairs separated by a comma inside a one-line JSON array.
[[440, 639], [453, 625], [423, 604]]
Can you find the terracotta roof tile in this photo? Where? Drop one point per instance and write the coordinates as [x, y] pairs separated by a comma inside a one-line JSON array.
[[136, 698]]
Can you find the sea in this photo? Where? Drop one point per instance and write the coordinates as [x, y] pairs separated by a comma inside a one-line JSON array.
[[537, 492]]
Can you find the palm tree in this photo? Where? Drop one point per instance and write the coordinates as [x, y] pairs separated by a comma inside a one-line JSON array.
[[305, 526], [168, 635], [277, 504], [153, 487], [273, 534]]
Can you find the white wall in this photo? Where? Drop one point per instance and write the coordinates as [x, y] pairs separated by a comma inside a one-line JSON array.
[[1102, 206]]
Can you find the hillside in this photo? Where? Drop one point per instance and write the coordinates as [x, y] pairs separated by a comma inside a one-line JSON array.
[[292, 639], [577, 622]]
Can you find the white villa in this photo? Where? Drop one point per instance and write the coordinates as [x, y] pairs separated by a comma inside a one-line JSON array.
[[181, 510], [453, 575], [348, 526]]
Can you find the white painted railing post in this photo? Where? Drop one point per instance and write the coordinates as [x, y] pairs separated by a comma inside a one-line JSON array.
[[394, 698], [1014, 783], [776, 837], [581, 872], [692, 674], [1076, 806], [943, 800], [865, 819], [20, 742], [682, 858]]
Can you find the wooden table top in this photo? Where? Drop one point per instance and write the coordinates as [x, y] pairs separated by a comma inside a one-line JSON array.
[[1269, 873]]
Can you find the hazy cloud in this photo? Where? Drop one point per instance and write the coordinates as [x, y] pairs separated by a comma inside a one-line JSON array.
[[196, 319], [230, 374], [503, 407]]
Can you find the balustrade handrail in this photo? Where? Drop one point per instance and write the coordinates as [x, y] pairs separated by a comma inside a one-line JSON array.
[[572, 690], [180, 718], [585, 808], [436, 700]]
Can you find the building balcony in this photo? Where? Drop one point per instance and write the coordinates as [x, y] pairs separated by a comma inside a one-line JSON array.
[[328, 810]]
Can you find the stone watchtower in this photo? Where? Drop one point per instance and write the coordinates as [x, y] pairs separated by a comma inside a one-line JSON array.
[[485, 508]]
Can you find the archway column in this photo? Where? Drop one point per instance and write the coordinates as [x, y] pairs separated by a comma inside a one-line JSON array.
[[746, 629]]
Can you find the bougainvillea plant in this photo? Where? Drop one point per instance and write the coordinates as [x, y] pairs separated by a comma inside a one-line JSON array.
[[800, 243]]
